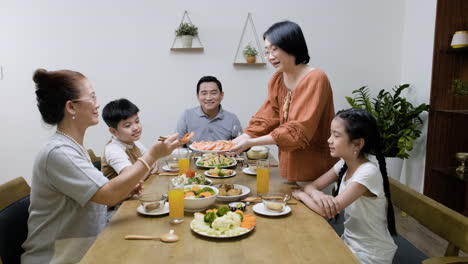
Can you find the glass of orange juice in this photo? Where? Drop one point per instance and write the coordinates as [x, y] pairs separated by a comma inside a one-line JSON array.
[[183, 156], [263, 176], [176, 200]]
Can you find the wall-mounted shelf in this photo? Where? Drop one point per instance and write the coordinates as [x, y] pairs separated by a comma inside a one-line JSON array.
[[187, 49], [454, 51], [460, 111], [257, 64], [239, 59], [196, 42]]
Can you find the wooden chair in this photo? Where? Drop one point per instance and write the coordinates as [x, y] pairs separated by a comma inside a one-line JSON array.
[[441, 220], [95, 159], [14, 204]]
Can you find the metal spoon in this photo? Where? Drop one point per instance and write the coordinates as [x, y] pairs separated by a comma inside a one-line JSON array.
[[168, 237]]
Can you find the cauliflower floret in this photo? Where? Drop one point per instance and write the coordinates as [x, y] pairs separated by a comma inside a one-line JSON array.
[[226, 222]]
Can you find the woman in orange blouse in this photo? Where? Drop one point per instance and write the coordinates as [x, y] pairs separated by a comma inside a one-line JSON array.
[[298, 111]]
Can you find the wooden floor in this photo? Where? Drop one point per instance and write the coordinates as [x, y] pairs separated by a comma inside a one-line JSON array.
[[418, 235]]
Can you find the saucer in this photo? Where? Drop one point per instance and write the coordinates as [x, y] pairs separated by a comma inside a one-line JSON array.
[[260, 209], [167, 168], [164, 210], [248, 171]]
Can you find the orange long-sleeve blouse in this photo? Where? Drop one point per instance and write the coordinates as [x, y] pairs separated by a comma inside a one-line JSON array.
[[301, 137]]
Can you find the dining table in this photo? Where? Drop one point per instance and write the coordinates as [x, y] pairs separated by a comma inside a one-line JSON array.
[[301, 236]]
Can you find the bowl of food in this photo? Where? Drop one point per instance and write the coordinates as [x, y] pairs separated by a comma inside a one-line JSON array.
[[258, 152], [275, 202], [152, 202], [234, 206], [199, 197], [192, 178], [232, 192]]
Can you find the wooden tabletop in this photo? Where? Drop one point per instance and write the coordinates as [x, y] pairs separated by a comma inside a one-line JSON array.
[[299, 237]]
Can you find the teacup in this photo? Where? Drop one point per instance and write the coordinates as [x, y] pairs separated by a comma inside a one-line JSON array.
[[152, 202], [275, 202]]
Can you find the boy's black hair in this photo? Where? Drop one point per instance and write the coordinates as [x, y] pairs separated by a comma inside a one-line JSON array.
[[288, 36], [209, 79], [361, 124], [118, 110]]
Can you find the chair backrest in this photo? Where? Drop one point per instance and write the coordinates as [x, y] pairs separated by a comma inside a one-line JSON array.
[[441, 220], [95, 159], [14, 204]]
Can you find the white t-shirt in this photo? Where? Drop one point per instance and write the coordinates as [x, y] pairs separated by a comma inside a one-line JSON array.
[[63, 222], [116, 156], [365, 220]]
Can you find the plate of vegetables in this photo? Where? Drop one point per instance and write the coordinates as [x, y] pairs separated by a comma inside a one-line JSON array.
[[192, 177], [210, 161], [222, 223]]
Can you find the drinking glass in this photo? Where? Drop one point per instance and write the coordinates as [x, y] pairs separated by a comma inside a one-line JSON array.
[[176, 200], [263, 176], [183, 155]]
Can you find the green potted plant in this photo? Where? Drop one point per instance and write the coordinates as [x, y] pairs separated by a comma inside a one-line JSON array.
[[250, 53], [398, 121], [460, 87], [186, 31]]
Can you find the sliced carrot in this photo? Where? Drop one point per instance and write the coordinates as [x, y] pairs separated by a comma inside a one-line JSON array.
[[205, 194], [189, 194]]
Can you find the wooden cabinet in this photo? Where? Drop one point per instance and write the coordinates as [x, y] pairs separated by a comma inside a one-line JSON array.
[[448, 118]]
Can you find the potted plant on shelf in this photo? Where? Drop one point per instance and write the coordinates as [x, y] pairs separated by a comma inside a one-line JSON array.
[[250, 54], [398, 122], [460, 87], [186, 31]]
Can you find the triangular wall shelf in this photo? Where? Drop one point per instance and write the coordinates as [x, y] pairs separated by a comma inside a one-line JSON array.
[[177, 43], [252, 39]]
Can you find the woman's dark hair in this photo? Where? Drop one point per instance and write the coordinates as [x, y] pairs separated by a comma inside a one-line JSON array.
[[118, 110], [53, 90], [209, 79], [288, 36], [361, 124]]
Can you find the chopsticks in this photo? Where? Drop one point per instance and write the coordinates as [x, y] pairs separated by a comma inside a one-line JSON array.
[[161, 138]]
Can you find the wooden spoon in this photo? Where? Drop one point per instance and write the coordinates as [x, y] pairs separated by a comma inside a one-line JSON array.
[[168, 237]]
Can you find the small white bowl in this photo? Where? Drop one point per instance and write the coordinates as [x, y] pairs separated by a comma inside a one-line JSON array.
[[199, 204]]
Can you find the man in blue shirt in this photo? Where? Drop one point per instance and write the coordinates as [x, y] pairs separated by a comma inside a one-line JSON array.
[[209, 121]]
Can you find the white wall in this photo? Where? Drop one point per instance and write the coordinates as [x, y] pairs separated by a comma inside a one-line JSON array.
[[418, 45], [123, 47]]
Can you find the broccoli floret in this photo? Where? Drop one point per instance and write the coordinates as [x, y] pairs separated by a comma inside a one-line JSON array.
[[241, 216], [210, 217], [222, 211]]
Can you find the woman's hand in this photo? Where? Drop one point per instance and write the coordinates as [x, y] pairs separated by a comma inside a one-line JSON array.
[[138, 190], [327, 202], [164, 148], [241, 145]]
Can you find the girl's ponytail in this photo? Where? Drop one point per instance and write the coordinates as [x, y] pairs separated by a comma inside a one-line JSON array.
[[386, 185]]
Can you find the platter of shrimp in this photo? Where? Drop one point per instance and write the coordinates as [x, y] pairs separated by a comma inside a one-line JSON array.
[[212, 146]]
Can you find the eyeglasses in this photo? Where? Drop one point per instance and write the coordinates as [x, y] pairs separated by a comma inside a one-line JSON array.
[[272, 51], [93, 99]]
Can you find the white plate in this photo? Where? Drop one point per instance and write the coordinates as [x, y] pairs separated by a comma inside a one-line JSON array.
[[221, 177], [260, 209], [222, 167], [165, 210], [222, 236], [248, 171], [167, 168], [210, 182], [235, 198], [206, 151]]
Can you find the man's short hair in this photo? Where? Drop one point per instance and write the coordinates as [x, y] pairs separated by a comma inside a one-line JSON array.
[[118, 110], [209, 79]]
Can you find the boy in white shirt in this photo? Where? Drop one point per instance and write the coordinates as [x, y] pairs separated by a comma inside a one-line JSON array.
[[124, 149]]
